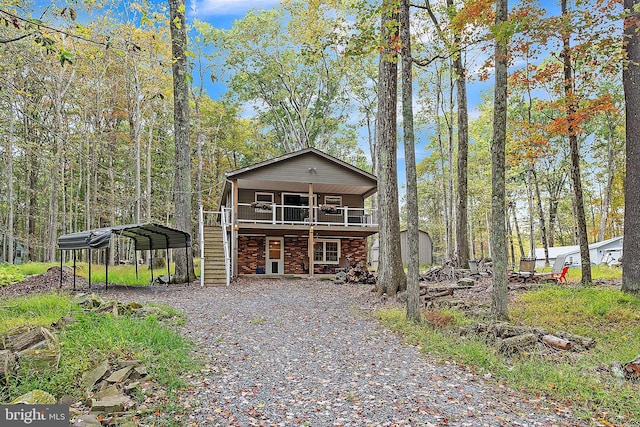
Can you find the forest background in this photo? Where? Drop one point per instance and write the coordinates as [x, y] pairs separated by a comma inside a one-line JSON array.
[[86, 123]]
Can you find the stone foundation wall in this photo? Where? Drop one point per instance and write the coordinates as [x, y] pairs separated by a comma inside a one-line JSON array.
[[251, 254]]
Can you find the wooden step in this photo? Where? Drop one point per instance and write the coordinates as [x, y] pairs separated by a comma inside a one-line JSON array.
[[214, 263]]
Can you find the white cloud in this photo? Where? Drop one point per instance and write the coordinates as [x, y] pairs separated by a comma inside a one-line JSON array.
[[205, 8]]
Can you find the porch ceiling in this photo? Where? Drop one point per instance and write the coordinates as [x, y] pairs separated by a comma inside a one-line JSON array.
[[301, 187]]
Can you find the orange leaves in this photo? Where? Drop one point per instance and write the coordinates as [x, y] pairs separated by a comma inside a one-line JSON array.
[[475, 13]]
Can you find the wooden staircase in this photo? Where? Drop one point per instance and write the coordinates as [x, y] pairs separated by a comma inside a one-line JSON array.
[[214, 273]]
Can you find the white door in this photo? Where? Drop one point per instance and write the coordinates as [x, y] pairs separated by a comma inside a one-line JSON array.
[[275, 255]]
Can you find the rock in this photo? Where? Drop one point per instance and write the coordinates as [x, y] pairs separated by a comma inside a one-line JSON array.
[[7, 363], [120, 375], [138, 372], [39, 360], [111, 404], [87, 421], [147, 311], [112, 390], [66, 400], [23, 337], [35, 397], [90, 378], [133, 306], [341, 277], [64, 321]]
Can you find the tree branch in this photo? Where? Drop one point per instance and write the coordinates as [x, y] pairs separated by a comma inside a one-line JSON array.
[[4, 41]]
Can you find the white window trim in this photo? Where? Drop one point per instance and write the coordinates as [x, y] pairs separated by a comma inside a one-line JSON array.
[[262, 193], [324, 251], [333, 203], [338, 205]]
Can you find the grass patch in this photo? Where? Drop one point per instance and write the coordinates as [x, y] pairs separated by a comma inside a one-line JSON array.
[[93, 338], [31, 268], [609, 316], [602, 271], [40, 310], [10, 274]]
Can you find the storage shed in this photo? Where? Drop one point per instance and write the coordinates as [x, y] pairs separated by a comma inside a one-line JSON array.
[[425, 248]]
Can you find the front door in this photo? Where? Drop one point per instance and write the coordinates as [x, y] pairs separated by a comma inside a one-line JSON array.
[[275, 255]]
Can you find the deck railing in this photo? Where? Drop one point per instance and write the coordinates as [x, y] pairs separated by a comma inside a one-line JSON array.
[[271, 213]]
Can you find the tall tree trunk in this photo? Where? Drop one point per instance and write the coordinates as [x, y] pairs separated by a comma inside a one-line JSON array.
[[512, 205], [575, 156], [9, 175], [611, 167], [413, 256], [443, 171], [463, 150], [182, 185], [631, 82], [135, 124], [498, 165], [543, 225], [391, 277]]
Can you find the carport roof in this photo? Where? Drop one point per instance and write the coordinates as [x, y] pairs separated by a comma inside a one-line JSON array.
[[146, 236]]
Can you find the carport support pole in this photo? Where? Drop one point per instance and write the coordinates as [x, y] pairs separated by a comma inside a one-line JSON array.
[[135, 257], [151, 258], [186, 253], [106, 271], [74, 269], [61, 268]]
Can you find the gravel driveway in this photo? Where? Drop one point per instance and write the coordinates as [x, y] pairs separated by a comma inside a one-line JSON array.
[[303, 352]]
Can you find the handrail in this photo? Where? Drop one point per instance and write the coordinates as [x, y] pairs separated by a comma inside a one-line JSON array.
[[271, 213], [225, 223], [225, 243], [201, 230]]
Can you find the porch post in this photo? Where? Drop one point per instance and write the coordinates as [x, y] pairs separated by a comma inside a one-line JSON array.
[[311, 222], [234, 229]]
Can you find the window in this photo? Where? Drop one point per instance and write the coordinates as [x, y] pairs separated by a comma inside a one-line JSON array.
[[263, 202], [331, 205], [326, 251]]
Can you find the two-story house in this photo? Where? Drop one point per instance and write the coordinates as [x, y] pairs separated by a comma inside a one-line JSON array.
[[301, 213]]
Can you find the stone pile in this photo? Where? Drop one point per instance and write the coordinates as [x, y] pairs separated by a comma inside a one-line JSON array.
[[28, 347], [108, 389]]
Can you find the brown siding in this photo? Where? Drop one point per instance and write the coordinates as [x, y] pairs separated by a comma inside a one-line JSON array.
[[300, 168]]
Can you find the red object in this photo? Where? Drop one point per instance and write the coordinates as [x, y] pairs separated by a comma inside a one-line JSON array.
[[561, 277]]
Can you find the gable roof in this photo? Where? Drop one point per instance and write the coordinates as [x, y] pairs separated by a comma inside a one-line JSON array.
[[295, 171], [236, 173]]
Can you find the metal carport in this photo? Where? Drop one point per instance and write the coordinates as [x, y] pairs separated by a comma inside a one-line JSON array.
[[146, 236]]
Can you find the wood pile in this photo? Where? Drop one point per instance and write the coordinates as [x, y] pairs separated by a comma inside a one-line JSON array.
[[359, 273], [442, 296], [512, 339], [447, 272]]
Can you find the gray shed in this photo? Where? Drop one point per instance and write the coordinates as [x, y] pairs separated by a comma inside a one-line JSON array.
[[425, 247]]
